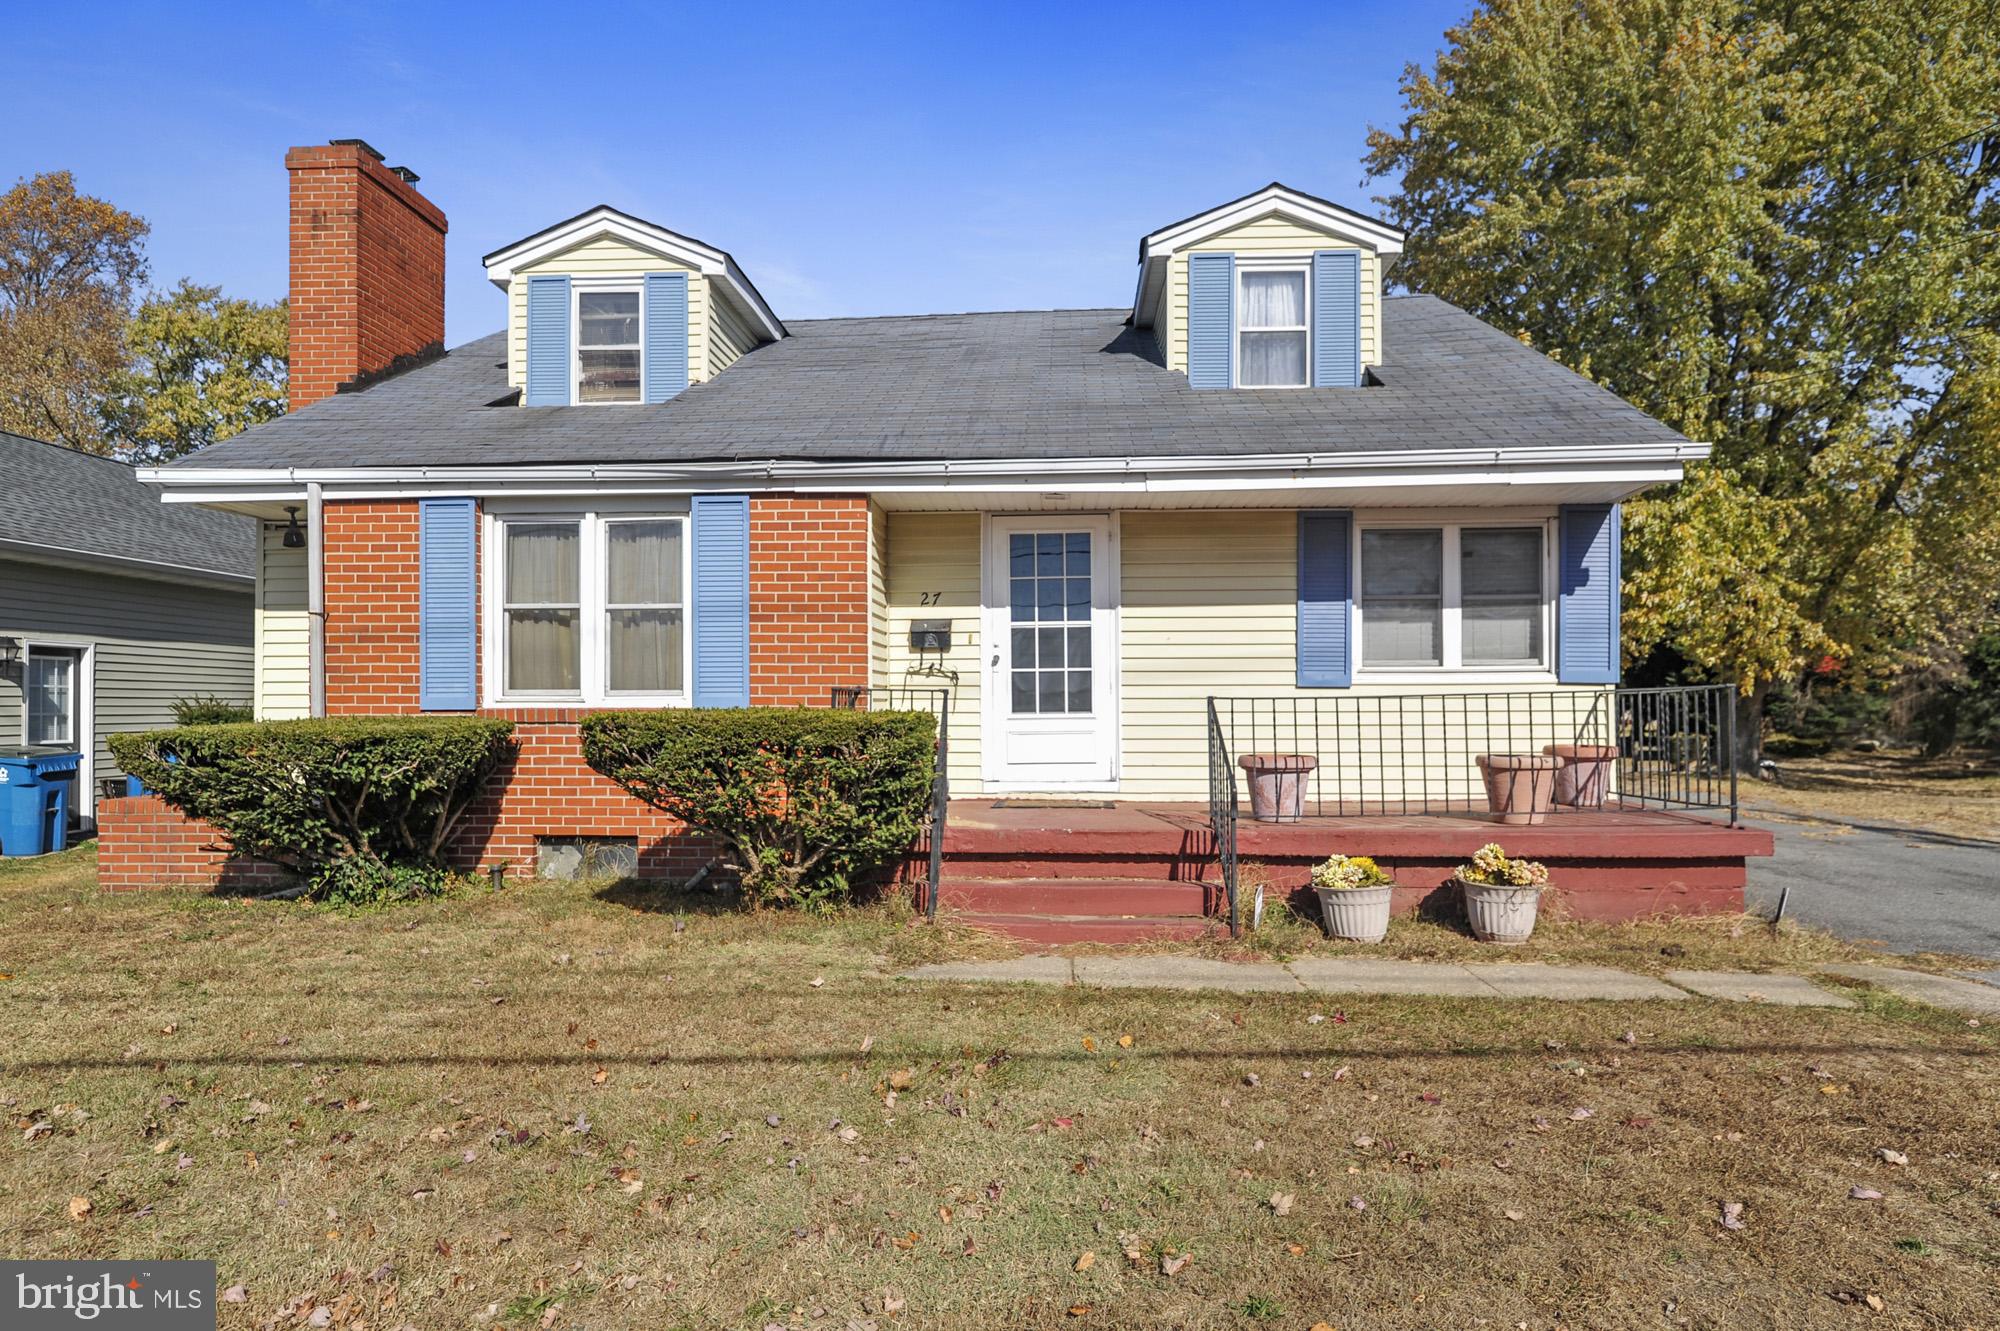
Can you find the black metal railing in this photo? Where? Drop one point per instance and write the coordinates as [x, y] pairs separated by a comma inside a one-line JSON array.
[[1222, 799], [1418, 754], [911, 698]]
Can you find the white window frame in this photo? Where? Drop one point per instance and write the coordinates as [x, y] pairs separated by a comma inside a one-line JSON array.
[[578, 286], [1245, 265], [83, 715], [1451, 640], [594, 664]]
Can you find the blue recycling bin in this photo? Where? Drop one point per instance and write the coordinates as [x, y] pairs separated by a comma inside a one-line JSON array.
[[34, 799]]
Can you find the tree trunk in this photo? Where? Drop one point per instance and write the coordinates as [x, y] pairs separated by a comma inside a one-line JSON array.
[[1750, 726]]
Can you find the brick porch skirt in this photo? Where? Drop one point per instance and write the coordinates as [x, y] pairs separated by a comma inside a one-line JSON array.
[[143, 843], [547, 791]]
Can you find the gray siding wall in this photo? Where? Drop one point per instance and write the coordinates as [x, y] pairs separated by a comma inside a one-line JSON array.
[[155, 642]]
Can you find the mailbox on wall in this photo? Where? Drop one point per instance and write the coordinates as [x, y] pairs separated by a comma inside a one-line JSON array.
[[930, 635]]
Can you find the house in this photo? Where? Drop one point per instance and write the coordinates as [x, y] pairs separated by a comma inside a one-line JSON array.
[[112, 606], [1374, 529]]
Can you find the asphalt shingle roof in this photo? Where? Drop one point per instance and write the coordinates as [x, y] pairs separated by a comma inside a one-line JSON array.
[[1030, 385], [56, 497]]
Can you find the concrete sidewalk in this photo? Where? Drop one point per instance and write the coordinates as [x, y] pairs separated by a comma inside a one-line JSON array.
[[1368, 975]]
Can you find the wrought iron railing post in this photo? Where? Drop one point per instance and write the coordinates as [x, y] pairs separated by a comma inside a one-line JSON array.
[[1728, 704], [940, 802]]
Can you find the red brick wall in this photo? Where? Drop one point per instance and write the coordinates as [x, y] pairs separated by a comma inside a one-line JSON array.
[[371, 607], [808, 597], [367, 269], [143, 843], [808, 632]]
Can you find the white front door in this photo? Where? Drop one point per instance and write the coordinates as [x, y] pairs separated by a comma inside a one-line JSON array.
[[1051, 653]]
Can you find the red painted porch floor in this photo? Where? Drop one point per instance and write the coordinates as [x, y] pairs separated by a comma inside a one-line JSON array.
[[1058, 872]]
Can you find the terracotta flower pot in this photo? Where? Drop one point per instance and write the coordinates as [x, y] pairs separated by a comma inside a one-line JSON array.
[[1277, 785], [1500, 914], [1356, 914], [1520, 787], [1583, 773]]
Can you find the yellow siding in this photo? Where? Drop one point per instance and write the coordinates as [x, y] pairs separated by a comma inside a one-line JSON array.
[[729, 336], [936, 556], [606, 257], [1271, 236], [282, 688], [1210, 607]]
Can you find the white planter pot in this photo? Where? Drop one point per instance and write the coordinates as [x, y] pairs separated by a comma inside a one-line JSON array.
[[1356, 914], [1504, 915]]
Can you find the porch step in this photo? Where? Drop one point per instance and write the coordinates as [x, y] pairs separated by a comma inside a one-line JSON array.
[[1089, 928], [1056, 895]]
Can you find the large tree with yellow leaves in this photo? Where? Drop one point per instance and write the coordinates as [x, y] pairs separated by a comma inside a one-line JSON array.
[[1776, 227]]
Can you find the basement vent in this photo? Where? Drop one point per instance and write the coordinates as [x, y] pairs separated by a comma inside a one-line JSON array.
[[568, 857]]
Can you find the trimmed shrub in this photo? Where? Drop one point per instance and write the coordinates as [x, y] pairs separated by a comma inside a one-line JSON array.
[[804, 801], [209, 711], [339, 800]]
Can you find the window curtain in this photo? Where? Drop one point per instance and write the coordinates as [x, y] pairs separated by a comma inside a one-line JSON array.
[[643, 634], [1402, 597], [543, 568]]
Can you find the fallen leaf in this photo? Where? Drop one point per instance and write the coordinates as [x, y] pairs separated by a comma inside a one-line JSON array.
[[1732, 1215], [901, 1078], [819, 981], [236, 1294], [1089, 1045], [849, 1135], [1357, 1204], [1084, 1261], [1860, 1194], [1079, 1310], [1514, 1215], [1281, 1203], [1893, 1157], [1874, 1302], [1171, 1266], [598, 1077], [1124, 1042], [79, 1207], [1581, 1112]]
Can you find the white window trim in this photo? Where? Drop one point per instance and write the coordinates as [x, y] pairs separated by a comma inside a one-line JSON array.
[[1453, 669], [598, 286], [83, 715], [593, 666], [1247, 264]]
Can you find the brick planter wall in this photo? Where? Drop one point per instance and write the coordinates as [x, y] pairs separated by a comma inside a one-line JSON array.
[[142, 843]]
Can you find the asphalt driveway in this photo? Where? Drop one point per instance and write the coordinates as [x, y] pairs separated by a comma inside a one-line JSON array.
[[1910, 890]]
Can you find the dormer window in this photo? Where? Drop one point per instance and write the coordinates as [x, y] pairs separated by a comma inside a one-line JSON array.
[[609, 357], [1271, 329]]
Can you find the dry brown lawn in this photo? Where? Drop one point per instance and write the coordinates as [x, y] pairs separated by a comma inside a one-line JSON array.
[[1959, 795], [570, 1106]]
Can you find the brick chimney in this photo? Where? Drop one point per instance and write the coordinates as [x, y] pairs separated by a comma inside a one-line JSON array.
[[367, 268]]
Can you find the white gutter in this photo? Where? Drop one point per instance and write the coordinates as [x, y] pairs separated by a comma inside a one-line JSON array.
[[221, 484]]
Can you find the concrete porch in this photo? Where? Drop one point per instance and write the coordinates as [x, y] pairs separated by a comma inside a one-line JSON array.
[[1054, 871]]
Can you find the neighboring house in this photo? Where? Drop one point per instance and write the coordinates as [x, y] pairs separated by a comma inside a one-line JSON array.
[[1265, 480], [112, 605]]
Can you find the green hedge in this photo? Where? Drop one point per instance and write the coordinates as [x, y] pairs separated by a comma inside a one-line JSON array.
[[360, 795], [804, 801]]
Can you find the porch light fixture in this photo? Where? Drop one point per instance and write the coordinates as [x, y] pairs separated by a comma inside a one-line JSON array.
[[295, 535], [10, 652]]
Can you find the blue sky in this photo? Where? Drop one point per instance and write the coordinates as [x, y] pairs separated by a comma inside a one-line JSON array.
[[856, 159]]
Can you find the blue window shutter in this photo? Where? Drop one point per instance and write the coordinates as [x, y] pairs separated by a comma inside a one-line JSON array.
[[447, 596], [721, 600], [666, 335], [1588, 595], [548, 342], [1326, 600], [1336, 333], [1211, 318]]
